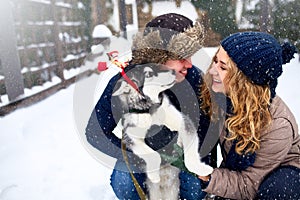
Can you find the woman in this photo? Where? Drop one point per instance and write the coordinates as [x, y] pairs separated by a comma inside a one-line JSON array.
[[259, 137]]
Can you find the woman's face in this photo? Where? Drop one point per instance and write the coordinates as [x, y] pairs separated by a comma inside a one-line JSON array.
[[219, 70]]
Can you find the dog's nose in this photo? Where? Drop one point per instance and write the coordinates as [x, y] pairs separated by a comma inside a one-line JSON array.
[[173, 72]]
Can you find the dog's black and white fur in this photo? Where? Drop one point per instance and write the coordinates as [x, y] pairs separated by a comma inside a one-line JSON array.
[[163, 181]]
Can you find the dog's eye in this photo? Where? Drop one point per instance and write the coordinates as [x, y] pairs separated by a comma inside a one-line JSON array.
[[149, 74]]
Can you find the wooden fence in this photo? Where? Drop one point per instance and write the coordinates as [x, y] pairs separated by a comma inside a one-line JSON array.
[[46, 38]]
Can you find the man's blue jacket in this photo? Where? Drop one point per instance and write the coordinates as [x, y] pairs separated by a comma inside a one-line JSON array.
[[108, 111]]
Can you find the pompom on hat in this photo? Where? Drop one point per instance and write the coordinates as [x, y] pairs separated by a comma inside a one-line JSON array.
[[259, 56], [167, 37]]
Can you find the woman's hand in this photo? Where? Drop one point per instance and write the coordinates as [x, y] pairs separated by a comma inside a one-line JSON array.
[[204, 178]]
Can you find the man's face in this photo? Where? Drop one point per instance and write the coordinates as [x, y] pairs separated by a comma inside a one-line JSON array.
[[180, 67]]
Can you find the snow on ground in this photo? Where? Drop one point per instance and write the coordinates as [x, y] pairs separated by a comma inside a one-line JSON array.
[[42, 156]]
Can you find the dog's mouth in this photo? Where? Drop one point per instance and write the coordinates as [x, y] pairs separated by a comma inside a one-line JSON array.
[[172, 83], [162, 84], [169, 85]]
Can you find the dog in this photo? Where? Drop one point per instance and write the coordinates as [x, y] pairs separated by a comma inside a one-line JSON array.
[[162, 181]]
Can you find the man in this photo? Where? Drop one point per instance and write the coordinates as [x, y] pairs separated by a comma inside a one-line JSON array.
[[170, 40]]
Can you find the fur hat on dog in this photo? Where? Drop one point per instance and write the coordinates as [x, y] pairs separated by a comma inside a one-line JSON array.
[[167, 37], [259, 56]]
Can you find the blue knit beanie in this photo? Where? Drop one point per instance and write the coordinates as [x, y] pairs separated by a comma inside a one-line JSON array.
[[259, 56]]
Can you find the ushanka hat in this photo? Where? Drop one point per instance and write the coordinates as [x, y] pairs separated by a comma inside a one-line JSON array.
[[259, 56], [169, 36]]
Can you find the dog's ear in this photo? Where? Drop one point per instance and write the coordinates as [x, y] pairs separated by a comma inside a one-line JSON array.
[[121, 87], [135, 75]]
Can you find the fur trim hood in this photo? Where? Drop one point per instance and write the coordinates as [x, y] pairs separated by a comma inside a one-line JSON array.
[[151, 48]]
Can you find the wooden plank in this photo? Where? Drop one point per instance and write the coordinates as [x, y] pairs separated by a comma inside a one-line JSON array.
[[58, 43], [123, 18], [9, 55]]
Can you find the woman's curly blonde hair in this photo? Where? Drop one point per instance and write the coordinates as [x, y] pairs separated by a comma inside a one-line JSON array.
[[250, 103]]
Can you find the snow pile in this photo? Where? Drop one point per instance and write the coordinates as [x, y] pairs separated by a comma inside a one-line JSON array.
[[101, 31]]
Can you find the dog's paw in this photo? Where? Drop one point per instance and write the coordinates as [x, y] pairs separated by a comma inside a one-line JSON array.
[[205, 170], [200, 169]]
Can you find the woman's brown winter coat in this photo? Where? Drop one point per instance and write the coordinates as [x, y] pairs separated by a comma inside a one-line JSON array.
[[280, 146]]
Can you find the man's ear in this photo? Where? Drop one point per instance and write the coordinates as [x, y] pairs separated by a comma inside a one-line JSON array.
[[122, 87]]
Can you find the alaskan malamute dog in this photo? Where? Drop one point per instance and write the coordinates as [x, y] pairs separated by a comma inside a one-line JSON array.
[[162, 181]]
